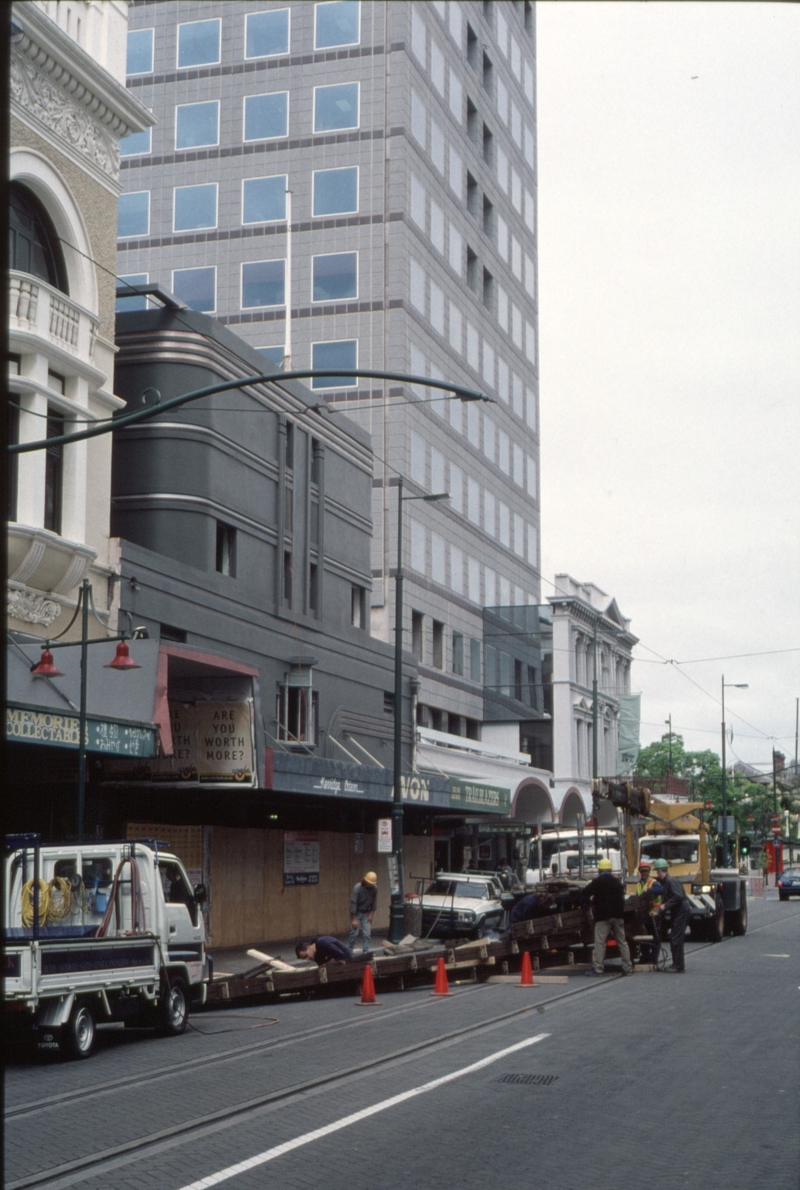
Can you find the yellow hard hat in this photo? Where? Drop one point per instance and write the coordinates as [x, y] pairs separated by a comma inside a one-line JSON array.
[[371, 878], [604, 865]]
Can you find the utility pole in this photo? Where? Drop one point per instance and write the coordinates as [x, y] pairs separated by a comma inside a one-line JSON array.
[[669, 723], [594, 705]]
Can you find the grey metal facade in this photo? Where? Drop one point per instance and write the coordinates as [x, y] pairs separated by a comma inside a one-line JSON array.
[[445, 232]]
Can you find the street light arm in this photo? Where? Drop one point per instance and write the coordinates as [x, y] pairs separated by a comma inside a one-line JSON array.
[[148, 411]]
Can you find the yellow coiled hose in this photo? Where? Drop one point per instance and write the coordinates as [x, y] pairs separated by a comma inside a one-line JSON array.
[[55, 900], [27, 902]]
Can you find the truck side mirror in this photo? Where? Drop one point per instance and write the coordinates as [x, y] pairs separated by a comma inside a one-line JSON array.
[[200, 893]]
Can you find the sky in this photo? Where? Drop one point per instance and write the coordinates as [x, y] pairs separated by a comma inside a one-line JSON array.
[[669, 318]]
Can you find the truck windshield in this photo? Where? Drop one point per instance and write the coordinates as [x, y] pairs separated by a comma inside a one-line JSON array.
[[678, 851], [457, 888], [551, 847]]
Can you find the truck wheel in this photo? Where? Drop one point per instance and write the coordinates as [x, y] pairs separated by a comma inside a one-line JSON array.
[[716, 925], [173, 1009], [783, 896], [739, 918], [80, 1033]]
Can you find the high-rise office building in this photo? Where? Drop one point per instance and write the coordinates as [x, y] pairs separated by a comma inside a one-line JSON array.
[[372, 167]]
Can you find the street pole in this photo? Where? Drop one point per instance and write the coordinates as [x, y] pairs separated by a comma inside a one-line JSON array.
[[84, 597], [724, 787], [594, 705], [669, 721], [396, 909], [774, 785]]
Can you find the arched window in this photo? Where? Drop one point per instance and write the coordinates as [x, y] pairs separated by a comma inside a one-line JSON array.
[[33, 245]]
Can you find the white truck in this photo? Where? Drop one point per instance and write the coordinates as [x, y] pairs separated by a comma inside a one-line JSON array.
[[560, 852], [95, 933]]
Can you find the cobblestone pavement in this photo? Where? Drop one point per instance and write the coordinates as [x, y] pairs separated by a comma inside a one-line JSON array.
[[580, 1108]]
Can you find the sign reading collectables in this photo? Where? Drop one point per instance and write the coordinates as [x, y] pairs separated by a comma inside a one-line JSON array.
[[300, 858]]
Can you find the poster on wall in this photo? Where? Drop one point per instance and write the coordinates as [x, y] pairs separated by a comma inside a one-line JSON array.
[[212, 744], [300, 858]]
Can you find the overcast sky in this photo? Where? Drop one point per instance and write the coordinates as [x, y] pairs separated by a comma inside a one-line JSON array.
[[669, 304]]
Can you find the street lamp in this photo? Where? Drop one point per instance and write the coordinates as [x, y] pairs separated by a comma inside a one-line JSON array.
[[396, 928], [46, 668], [735, 686]]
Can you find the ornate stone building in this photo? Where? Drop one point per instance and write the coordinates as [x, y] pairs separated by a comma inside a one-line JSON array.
[[69, 109]]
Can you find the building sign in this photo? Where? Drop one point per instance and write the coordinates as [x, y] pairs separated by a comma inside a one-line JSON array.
[[479, 797], [300, 858], [212, 745], [415, 788], [384, 835], [39, 726]]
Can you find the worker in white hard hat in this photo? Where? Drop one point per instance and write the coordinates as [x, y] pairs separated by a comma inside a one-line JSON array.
[[363, 900], [608, 903]]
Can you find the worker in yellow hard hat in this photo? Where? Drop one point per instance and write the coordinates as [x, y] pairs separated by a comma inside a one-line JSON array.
[[608, 903], [363, 900]]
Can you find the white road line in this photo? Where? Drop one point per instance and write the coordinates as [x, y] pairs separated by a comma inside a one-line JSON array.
[[307, 1138]]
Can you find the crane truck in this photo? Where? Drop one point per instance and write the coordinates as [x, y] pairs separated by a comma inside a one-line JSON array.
[[97, 933], [678, 833]]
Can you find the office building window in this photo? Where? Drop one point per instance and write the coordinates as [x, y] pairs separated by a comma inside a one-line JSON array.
[[196, 124], [275, 355], [264, 199], [504, 451], [54, 472], [419, 122], [263, 283], [518, 544], [437, 146], [267, 33], [418, 635], [198, 43], [505, 524], [418, 459], [195, 207], [473, 500], [489, 513], [336, 107], [358, 607], [456, 488], [226, 549], [133, 214], [417, 547], [196, 287], [131, 303], [334, 277], [340, 353], [337, 23], [266, 117], [475, 660], [437, 471], [438, 555], [456, 570], [137, 144], [140, 51], [437, 653], [474, 580], [417, 204], [335, 191], [458, 653]]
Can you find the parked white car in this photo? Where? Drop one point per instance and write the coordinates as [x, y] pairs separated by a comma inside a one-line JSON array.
[[461, 904]]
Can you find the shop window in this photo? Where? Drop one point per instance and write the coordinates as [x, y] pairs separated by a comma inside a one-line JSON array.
[[342, 353], [336, 107], [267, 33], [263, 283], [264, 199], [336, 23], [335, 191], [140, 51], [34, 246], [196, 124], [195, 207], [198, 43], [196, 287], [335, 277], [226, 549], [266, 117]]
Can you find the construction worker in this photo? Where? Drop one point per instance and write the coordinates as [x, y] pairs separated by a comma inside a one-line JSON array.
[[652, 892], [676, 904], [324, 949], [608, 901], [362, 908]]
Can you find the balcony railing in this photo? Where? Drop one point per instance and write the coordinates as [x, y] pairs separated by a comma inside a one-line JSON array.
[[38, 308]]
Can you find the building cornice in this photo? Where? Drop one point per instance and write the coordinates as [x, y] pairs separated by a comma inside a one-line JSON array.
[[584, 614]]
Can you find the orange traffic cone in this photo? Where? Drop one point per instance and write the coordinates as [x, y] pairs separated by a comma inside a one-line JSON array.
[[367, 987], [526, 976], [441, 987]]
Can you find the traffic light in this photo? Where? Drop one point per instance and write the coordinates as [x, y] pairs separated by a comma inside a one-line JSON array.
[[744, 845]]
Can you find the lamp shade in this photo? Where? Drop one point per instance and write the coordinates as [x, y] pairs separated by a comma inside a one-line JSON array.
[[46, 667], [122, 658]]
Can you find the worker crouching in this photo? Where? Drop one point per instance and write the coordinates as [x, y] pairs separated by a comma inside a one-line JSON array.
[[608, 903]]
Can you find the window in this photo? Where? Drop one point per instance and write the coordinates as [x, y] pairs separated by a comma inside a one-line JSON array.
[[437, 146], [489, 513], [275, 355], [418, 547], [456, 249], [437, 308], [437, 68], [263, 283], [131, 303], [358, 607], [339, 353], [53, 472], [437, 471], [33, 242], [137, 144], [196, 124], [313, 587], [438, 645], [475, 660], [504, 450], [266, 117], [335, 191], [196, 287], [334, 277], [505, 528], [336, 107], [337, 23], [195, 207], [474, 580], [519, 466], [198, 43], [418, 635], [473, 500], [288, 578], [267, 33], [418, 36], [419, 122], [226, 549], [418, 449], [12, 468], [458, 653], [456, 96], [298, 711], [456, 570], [456, 485], [140, 51], [133, 214], [417, 205], [437, 227], [264, 199], [438, 555]]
